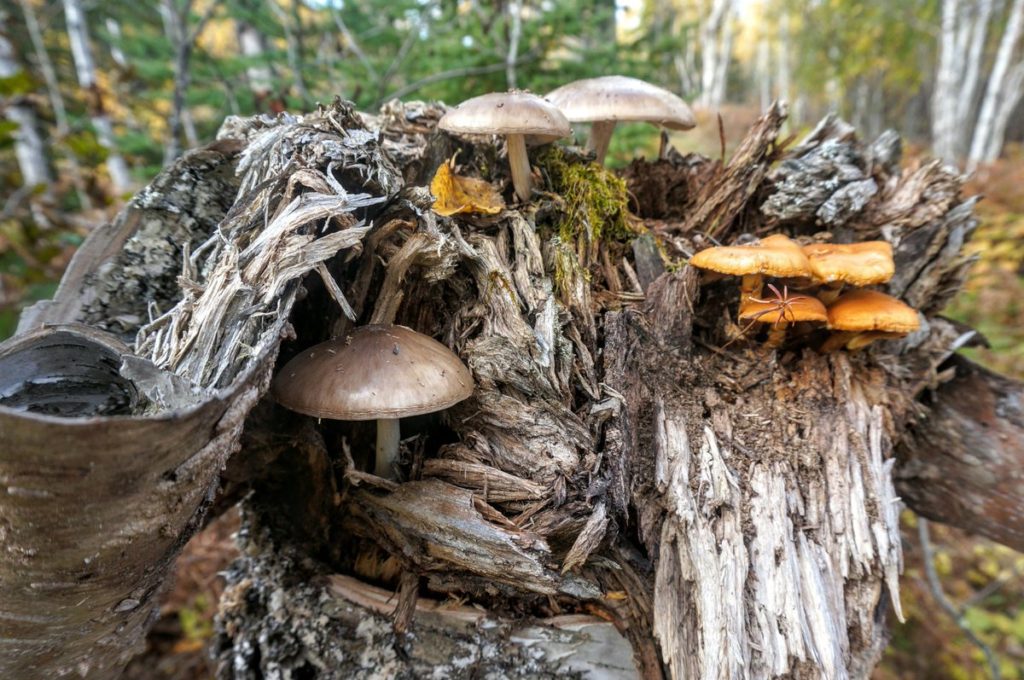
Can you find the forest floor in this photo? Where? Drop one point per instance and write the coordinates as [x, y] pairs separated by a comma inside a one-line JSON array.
[[983, 580]]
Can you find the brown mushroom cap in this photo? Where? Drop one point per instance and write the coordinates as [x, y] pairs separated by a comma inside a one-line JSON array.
[[869, 310], [507, 113], [799, 308], [619, 98], [376, 372], [776, 255], [859, 264]]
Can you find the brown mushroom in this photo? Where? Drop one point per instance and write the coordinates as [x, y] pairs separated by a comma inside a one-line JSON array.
[[833, 265], [607, 100], [780, 313], [863, 316], [517, 116], [380, 373], [776, 255]]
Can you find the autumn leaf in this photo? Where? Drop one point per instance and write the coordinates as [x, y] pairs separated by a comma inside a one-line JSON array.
[[455, 194]]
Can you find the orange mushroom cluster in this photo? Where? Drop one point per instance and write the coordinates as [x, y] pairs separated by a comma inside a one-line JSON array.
[[857, 317]]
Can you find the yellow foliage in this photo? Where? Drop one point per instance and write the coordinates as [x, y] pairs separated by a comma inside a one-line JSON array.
[[455, 194]]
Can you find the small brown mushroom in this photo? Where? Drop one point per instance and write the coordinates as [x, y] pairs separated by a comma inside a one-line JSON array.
[[605, 101], [517, 116], [863, 316], [788, 309], [380, 373], [867, 263], [776, 255]]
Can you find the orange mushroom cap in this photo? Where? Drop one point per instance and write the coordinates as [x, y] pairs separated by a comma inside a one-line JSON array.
[[869, 310], [798, 308], [776, 255], [859, 264]]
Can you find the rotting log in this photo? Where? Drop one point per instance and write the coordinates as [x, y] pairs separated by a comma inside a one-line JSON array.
[[961, 461], [730, 510]]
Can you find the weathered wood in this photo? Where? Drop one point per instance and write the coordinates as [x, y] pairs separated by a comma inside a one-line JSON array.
[[962, 459], [729, 508], [99, 498]]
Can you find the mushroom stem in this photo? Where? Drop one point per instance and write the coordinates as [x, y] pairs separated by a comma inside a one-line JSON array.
[[388, 435], [519, 162], [751, 287], [776, 335], [837, 341], [830, 293], [600, 136]]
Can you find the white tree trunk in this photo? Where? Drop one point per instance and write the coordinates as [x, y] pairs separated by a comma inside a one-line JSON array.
[[252, 45], [1002, 94], [81, 51], [716, 48], [944, 98], [60, 113], [763, 71], [28, 141]]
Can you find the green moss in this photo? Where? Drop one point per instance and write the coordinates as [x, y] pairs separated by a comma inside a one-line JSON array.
[[197, 620], [595, 198]]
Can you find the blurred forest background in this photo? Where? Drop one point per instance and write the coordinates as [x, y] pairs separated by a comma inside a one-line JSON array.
[[97, 96]]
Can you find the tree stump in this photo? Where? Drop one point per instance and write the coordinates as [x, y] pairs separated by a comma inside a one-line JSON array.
[[629, 492]]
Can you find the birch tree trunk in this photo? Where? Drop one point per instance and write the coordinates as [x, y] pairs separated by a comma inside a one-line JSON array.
[[45, 65], [716, 32], [252, 45], [29, 147], [1004, 91], [175, 14], [622, 496], [85, 68]]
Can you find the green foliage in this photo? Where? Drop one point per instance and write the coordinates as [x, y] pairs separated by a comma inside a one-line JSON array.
[[7, 130], [196, 619], [19, 83]]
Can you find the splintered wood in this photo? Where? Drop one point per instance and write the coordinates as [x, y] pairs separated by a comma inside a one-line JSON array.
[[729, 508]]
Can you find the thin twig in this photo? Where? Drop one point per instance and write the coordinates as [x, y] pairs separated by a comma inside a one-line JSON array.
[[449, 75], [947, 606]]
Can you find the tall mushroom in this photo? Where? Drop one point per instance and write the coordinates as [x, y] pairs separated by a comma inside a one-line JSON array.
[[380, 373], [520, 116], [868, 263], [605, 101], [863, 316]]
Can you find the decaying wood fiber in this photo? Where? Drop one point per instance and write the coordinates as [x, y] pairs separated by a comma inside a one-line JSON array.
[[730, 509]]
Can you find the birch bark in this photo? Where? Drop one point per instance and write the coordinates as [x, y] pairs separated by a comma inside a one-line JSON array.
[[29, 146], [1004, 91], [716, 34], [85, 69]]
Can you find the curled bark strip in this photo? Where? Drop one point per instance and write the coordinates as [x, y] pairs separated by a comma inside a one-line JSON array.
[[96, 506], [962, 463]]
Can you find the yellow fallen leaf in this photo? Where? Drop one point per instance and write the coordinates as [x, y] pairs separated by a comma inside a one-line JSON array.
[[454, 194]]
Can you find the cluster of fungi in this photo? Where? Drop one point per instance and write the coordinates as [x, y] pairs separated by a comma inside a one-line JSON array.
[[386, 372], [856, 318]]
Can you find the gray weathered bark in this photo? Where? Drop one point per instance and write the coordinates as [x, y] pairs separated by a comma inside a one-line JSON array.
[[730, 510]]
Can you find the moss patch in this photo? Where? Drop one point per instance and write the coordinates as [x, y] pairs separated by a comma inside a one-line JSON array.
[[595, 198]]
